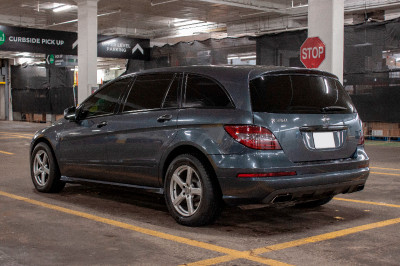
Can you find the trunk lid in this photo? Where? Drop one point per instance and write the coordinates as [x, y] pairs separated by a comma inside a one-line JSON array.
[[312, 116]]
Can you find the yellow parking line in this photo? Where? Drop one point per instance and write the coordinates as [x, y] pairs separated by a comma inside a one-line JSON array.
[[379, 173], [8, 153], [236, 254], [369, 202], [304, 241], [394, 169], [13, 137], [17, 133]]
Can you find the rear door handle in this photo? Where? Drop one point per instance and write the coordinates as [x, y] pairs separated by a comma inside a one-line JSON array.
[[164, 118], [102, 124]]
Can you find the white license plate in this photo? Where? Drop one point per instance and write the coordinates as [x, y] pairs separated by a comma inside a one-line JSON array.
[[323, 140]]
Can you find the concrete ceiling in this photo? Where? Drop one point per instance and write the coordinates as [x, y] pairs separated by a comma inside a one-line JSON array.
[[170, 21]]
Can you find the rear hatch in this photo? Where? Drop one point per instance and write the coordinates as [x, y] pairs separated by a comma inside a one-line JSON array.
[[311, 115]]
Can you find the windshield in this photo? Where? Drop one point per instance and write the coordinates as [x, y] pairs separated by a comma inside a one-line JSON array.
[[299, 94]]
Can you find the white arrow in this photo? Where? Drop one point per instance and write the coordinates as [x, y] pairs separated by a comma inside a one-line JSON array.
[[47, 59], [137, 46], [75, 44]]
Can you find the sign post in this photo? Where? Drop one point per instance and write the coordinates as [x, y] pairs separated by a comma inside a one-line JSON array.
[[312, 52]]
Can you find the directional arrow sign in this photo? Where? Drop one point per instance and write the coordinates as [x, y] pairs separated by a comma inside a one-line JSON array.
[[50, 59], [137, 47]]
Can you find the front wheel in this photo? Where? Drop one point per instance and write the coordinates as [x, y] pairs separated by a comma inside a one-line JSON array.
[[192, 197], [44, 170]]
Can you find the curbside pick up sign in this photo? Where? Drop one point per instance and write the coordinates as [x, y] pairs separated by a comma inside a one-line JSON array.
[[312, 52], [62, 42]]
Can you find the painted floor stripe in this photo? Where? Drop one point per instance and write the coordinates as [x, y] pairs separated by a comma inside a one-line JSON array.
[[8, 153], [379, 173], [303, 241], [369, 202], [394, 169], [236, 254]]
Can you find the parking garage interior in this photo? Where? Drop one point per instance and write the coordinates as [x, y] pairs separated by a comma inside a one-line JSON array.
[[55, 54]]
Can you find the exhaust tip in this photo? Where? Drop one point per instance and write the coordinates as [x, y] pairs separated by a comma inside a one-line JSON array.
[[282, 198]]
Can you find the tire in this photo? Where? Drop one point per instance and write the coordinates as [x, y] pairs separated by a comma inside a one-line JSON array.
[[315, 203], [45, 173], [197, 198]]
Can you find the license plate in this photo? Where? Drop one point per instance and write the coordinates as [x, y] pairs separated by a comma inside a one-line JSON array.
[[323, 140]]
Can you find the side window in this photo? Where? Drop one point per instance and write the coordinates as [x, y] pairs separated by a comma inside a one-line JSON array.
[[105, 100], [171, 99], [148, 91], [205, 93]]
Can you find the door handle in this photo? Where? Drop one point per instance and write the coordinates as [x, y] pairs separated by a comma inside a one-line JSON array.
[[164, 118], [102, 124]]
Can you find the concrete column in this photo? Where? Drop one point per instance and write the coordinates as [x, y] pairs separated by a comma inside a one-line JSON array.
[[326, 21], [87, 47]]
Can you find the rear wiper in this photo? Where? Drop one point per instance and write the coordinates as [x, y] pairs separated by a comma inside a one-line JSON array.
[[333, 108]]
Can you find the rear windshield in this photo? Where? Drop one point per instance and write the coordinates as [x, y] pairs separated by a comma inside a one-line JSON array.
[[299, 94]]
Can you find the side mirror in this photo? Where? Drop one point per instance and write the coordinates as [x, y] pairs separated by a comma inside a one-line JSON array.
[[70, 113]]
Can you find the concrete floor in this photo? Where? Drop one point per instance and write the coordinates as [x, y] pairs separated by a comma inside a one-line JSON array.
[[86, 225]]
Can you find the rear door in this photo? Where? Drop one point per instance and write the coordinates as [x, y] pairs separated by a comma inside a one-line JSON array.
[[143, 129], [312, 116]]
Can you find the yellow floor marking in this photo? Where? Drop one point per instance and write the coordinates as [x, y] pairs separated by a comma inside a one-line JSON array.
[[25, 134], [369, 202], [394, 169], [379, 173], [13, 137], [5, 152], [303, 241], [235, 254]]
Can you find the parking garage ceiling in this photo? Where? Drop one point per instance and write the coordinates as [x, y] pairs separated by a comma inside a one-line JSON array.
[[170, 21]]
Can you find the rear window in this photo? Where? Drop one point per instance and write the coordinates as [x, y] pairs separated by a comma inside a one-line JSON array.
[[299, 94]]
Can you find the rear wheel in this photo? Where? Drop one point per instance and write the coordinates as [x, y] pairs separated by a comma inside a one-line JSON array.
[[191, 196], [44, 170], [315, 203]]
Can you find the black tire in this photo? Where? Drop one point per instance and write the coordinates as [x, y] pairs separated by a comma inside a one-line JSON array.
[[202, 193], [315, 203], [45, 173]]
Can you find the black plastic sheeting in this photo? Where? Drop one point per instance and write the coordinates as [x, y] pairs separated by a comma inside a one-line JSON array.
[[41, 90], [208, 52], [38, 77], [38, 101]]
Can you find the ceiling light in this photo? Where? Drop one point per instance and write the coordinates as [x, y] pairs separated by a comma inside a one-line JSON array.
[[23, 54], [63, 8], [187, 22], [115, 68]]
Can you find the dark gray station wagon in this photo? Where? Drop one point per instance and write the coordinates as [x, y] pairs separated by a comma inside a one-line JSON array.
[[206, 135]]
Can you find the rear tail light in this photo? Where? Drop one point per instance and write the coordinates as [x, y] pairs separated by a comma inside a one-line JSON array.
[[254, 137]]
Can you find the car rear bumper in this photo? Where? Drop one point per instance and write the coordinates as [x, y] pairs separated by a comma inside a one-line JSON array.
[[314, 180]]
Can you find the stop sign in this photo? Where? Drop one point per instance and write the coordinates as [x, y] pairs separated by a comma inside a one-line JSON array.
[[312, 52]]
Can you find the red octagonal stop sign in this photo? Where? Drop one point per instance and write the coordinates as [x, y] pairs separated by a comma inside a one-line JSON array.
[[312, 52]]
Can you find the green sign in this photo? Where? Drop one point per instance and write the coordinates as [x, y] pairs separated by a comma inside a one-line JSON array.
[[2, 37], [51, 59]]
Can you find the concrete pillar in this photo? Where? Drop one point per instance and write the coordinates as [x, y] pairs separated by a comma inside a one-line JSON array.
[[87, 47], [326, 21]]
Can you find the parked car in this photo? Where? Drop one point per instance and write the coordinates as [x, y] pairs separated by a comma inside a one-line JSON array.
[[205, 135]]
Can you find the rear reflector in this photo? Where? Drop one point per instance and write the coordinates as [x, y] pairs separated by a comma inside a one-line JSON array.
[[267, 174], [254, 137]]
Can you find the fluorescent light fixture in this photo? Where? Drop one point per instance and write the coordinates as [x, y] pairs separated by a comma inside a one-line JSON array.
[[62, 8], [115, 68], [187, 22], [23, 54]]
